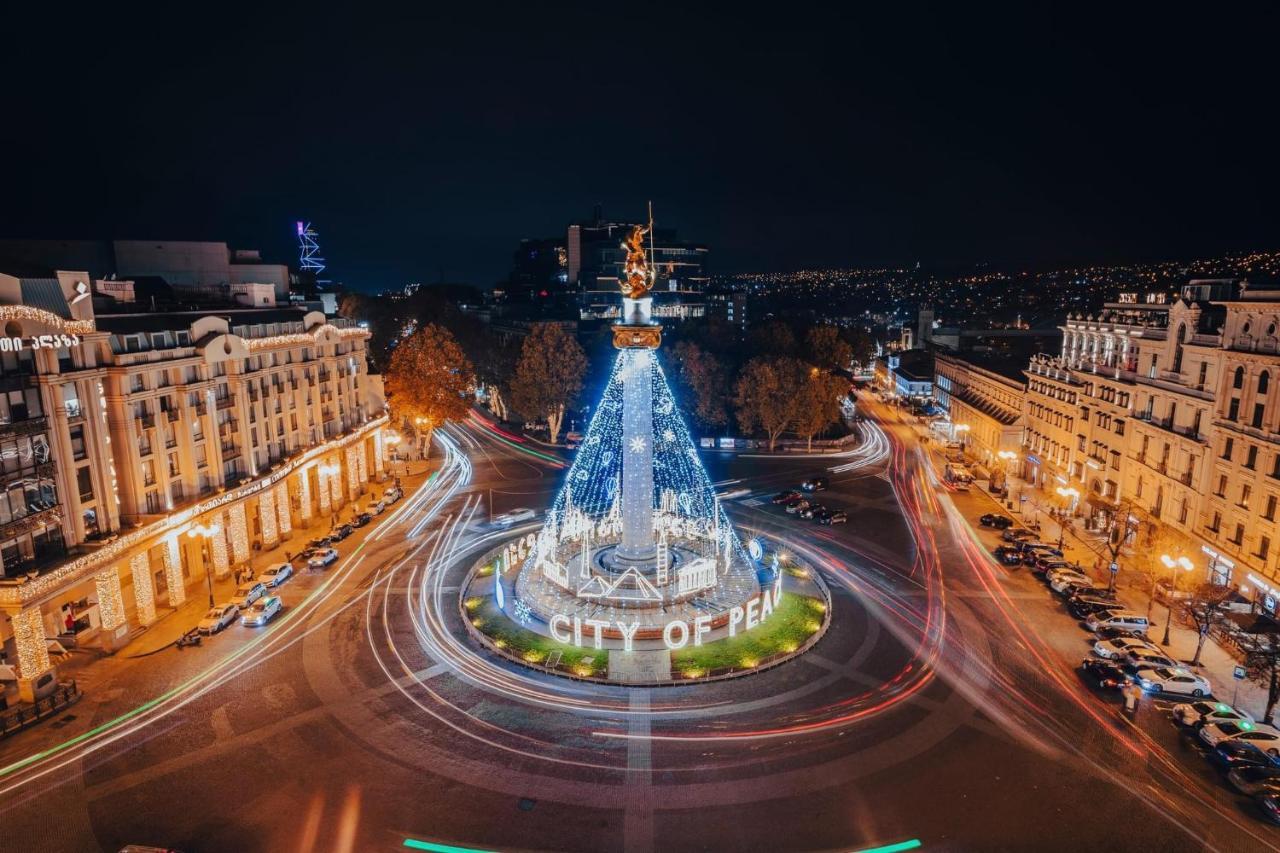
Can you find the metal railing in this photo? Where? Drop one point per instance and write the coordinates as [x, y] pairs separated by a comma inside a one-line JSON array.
[[15, 720]]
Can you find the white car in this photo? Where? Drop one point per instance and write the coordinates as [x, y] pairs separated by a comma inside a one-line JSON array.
[[1062, 580], [277, 574], [323, 558], [515, 516], [1149, 657], [1194, 713], [1057, 571], [1119, 647], [1265, 738], [218, 618], [1166, 679], [262, 612], [247, 593], [393, 494]]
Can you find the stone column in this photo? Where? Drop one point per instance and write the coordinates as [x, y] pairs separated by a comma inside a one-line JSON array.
[[238, 532], [173, 571], [28, 636], [304, 494], [353, 472], [144, 590], [284, 522], [325, 490], [218, 548], [379, 451], [111, 609], [637, 457], [267, 517]]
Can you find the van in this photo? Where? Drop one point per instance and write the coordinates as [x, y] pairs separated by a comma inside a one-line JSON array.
[[1125, 619]]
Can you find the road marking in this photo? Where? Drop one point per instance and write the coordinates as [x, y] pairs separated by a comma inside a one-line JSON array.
[[637, 822]]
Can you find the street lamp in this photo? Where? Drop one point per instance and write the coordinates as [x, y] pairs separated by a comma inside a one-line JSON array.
[[205, 534], [1007, 458], [1072, 495], [1173, 564], [962, 428]]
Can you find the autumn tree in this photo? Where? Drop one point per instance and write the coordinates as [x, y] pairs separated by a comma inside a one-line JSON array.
[[774, 337], [817, 405], [1202, 607], [825, 348], [548, 376], [766, 395], [429, 378], [862, 346], [703, 376]]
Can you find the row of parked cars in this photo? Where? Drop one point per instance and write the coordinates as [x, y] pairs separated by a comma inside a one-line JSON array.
[[1248, 751], [797, 503]]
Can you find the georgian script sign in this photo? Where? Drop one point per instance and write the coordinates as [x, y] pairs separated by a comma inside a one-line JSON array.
[[39, 342]]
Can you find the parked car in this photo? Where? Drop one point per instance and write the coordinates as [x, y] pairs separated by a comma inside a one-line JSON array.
[[275, 575], [342, 532], [797, 506], [783, 497], [1048, 553], [1148, 657], [1117, 619], [1241, 753], [247, 593], [262, 612], [1046, 560], [1167, 679], [1265, 738], [1062, 580], [1118, 649], [812, 510], [1097, 593], [392, 494], [999, 522], [1008, 556], [1104, 673], [1201, 713], [322, 558], [320, 542], [814, 484], [1255, 780], [1083, 607], [1113, 633], [1017, 534], [839, 516], [1269, 803], [380, 507], [362, 519], [218, 618]]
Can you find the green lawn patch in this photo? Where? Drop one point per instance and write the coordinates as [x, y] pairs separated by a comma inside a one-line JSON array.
[[793, 622], [530, 647]]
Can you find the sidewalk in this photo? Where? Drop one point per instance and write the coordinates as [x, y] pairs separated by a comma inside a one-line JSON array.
[[1078, 546]]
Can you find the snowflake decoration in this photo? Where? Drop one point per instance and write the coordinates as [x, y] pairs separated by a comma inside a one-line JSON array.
[[669, 435], [521, 612], [637, 445]]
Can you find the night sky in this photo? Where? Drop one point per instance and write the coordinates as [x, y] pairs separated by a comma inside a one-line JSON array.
[[428, 145]]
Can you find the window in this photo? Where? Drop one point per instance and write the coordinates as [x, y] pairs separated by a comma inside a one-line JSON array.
[[1264, 380], [1258, 409], [1237, 380], [1215, 523], [1119, 427], [1269, 514], [1227, 447], [1238, 536], [1251, 458], [1246, 492], [84, 483], [1221, 491], [1264, 547], [77, 443], [1233, 411], [1204, 373]]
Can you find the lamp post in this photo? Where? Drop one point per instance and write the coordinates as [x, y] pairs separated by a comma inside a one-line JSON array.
[[1173, 564], [964, 439], [1072, 495], [205, 534], [1007, 458]]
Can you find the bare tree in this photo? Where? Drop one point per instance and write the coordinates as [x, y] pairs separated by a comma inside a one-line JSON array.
[[1202, 607], [1262, 665]]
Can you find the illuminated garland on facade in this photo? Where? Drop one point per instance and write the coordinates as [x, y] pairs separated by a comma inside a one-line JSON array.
[[218, 547], [110, 600], [28, 636], [267, 517], [39, 315], [238, 533], [335, 483], [304, 496], [353, 472], [51, 582], [173, 571], [302, 338], [144, 590], [325, 496], [282, 509]]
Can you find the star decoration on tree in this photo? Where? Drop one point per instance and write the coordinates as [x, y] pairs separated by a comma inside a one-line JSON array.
[[637, 445], [669, 435]]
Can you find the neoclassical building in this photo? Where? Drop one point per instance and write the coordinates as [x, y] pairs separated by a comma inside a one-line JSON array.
[[122, 431]]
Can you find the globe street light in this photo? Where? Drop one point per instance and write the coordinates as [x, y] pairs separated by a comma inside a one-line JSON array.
[[205, 534], [1173, 564]]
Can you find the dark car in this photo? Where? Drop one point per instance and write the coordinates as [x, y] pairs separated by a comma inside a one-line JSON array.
[[1104, 673], [837, 517], [999, 522], [1017, 534], [342, 533], [1047, 559], [1008, 555], [1083, 608], [1270, 806], [1236, 753], [783, 497], [1255, 780], [1074, 591], [362, 519], [812, 511], [814, 484], [822, 515]]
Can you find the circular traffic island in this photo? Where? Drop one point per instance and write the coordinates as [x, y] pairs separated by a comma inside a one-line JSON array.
[[698, 639]]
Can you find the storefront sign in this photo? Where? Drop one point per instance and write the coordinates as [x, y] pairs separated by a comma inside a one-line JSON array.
[[39, 342]]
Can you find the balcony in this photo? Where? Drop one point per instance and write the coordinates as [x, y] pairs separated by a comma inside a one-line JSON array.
[[24, 426], [224, 403], [201, 409], [172, 415], [148, 421]]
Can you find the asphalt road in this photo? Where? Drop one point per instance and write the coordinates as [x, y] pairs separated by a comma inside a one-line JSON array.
[[942, 705]]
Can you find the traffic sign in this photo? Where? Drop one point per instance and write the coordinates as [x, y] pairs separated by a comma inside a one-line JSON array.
[[1239, 672], [1115, 567]]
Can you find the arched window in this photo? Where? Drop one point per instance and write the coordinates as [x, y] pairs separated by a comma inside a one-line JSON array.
[[1264, 381], [1177, 349], [1238, 380]]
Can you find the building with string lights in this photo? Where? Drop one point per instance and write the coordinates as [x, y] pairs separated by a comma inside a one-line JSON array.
[[124, 430]]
